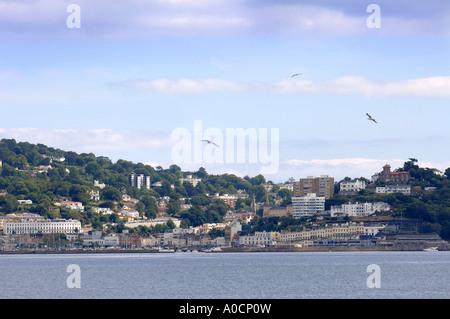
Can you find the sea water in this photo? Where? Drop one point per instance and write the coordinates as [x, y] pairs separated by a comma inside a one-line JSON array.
[[297, 275]]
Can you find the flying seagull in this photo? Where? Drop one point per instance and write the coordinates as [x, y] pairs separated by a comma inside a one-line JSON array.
[[371, 118], [209, 142], [296, 74]]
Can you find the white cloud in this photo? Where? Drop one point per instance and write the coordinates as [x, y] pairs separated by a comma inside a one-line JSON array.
[[140, 19], [189, 86], [438, 86], [90, 140]]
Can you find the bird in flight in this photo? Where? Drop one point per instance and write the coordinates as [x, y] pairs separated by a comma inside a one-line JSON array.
[[296, 74], [209, 142], [371, 118]]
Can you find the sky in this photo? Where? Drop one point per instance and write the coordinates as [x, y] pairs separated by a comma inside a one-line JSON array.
[[147, 80]]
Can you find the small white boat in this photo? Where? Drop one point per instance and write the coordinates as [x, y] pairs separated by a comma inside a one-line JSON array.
[[431, 249], [166, 250]]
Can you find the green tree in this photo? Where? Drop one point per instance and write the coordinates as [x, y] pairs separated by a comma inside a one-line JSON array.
[[9, 203], [174, 206], [420, 211], [110, 193]]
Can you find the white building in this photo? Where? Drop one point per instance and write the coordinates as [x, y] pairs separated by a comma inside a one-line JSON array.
[[13, 217], [359, 209], [153, 222], [129, 213], [288, 186], [99, 185], [373, 230], [139, 181], [308, 205], [390, 189], [73, 205], [102, 210], [260, 239], [95, 238], [190, 179], [94, 195], [25, 201], [43, 226], [352, 186]]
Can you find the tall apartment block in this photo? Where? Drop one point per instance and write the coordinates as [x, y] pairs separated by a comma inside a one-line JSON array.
[[139, 181], [322, 186]]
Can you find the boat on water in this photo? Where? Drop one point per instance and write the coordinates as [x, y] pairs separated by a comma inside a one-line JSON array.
[[166, 250], [431, 249]]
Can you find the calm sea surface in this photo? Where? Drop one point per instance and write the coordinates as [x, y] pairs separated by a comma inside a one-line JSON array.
[[321, 275]]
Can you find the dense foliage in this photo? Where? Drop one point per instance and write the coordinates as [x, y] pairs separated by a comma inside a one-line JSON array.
[[73, 178]]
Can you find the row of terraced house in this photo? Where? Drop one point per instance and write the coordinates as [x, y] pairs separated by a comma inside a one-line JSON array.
[[306, 237]]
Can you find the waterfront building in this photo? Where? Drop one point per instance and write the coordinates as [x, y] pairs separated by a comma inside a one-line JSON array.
[[17, 217], [95, 238], [260, 239], [42, 226], [333, 231], [231, 230]]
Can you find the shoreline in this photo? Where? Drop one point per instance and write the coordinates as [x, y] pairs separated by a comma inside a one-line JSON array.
[[223, 250]]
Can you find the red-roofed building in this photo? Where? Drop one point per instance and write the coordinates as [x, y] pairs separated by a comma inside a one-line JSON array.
[[387, 176]]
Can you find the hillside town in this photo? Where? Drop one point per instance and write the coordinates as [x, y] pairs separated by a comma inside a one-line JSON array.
[[310, 201]]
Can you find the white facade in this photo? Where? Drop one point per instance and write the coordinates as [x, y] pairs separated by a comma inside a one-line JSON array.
[[190, 179], [95, 195], [359, 209], [153, 222], [259, 239], [389, 189], [44, 226], [352, 186], [373, 230], [288, 186], [102, 210], [73, 205], [129, 213], [25, 201], [139, 181], [336, 231], [308, 205]]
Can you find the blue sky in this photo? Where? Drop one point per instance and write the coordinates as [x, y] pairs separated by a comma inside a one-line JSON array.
[[137, 70]]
